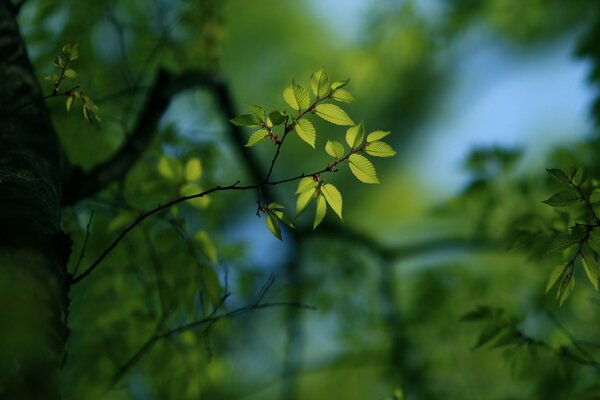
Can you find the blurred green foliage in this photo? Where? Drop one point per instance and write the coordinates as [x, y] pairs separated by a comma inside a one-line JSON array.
[[390, 285]]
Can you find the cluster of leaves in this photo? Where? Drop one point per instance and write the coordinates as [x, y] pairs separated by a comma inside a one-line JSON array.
[[499, 330], [185, 176], [89, 108], [580, 242], [313, 187]]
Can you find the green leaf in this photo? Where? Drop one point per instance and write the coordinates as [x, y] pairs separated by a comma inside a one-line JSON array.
[[557, 272], [594, 240], [51, 77], [305, 184], [558, 174], [70, 73], [377, 135], [480, 313], [304, 200], [69, 102], [487, 335], [343, 95], [273, 225], [566, 289], [249, 120], [204, 242], [334, 149], [339, 84], [333, 197], [321, 210], [591, 267], [380, 149], [257, 137], [193, 169], [283, 218], [306, 131], [190, 189], [257, 110], [275, 206], [362, 169], [297, 97], [355, 135], [560, 242], [333, 114], [277, 117], [319, 83], [170, 168], [563, 198]]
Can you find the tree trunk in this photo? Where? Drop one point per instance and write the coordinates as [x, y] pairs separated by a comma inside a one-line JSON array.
[[33, 251]]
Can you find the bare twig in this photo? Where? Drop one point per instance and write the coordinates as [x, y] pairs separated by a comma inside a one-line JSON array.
[[85, 242]]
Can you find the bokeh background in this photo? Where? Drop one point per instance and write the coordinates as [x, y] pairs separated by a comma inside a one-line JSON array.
[[480, 96]]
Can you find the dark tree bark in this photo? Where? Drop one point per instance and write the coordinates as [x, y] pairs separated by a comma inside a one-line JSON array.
[[33, 251]]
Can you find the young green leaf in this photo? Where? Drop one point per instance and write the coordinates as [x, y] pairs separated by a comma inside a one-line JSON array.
[[304, 200], [277, 117], [306, 131], [333, 114], [170, 168], [333, 197], [558, 174], [321, 210], [339, 84], [193, 169], [563, 198], [355, 135], [376, 135], [560, 242], [273, 225], [594, 240], [362, 169], [296, 96], [555, 276], [257, 137], [283, 218], [343, 95], [190, 189], [69, 102], [334, 149], [379, 149], [319, 83], [257, 110], [305, 184], [566, 289], [249, 120], [487, 335], [51, 77], [70, 73], [275, 206], [591, 267]]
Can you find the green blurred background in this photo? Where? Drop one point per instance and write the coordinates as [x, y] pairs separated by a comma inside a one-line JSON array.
[[480, 96]]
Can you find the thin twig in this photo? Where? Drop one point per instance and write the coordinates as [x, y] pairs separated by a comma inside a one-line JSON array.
[[31, 102], [85, 242]]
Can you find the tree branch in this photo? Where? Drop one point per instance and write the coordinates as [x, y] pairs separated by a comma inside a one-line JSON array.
[[80, 185]]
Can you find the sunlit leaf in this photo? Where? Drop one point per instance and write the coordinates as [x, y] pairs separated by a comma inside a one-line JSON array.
[[275, 206], [333, 114], [555, 275], [321, 210], [339, 84], [380, 149], [334, 149], [193, 169], [69, 73], [170, 168], [249, 120], [296, 96], [304, 200], [563, 198], [355, 135], [273, 225], [591, 268], [376, 135], [257, 110], [305, 184], [333, 197], [283, 218], [343, 95], [257, 137], [69, 102], [190, 189], [306, 131], [362, 169], [319, 83]]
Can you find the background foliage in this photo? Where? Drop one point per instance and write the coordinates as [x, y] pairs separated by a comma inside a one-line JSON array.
[[414, 257]]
